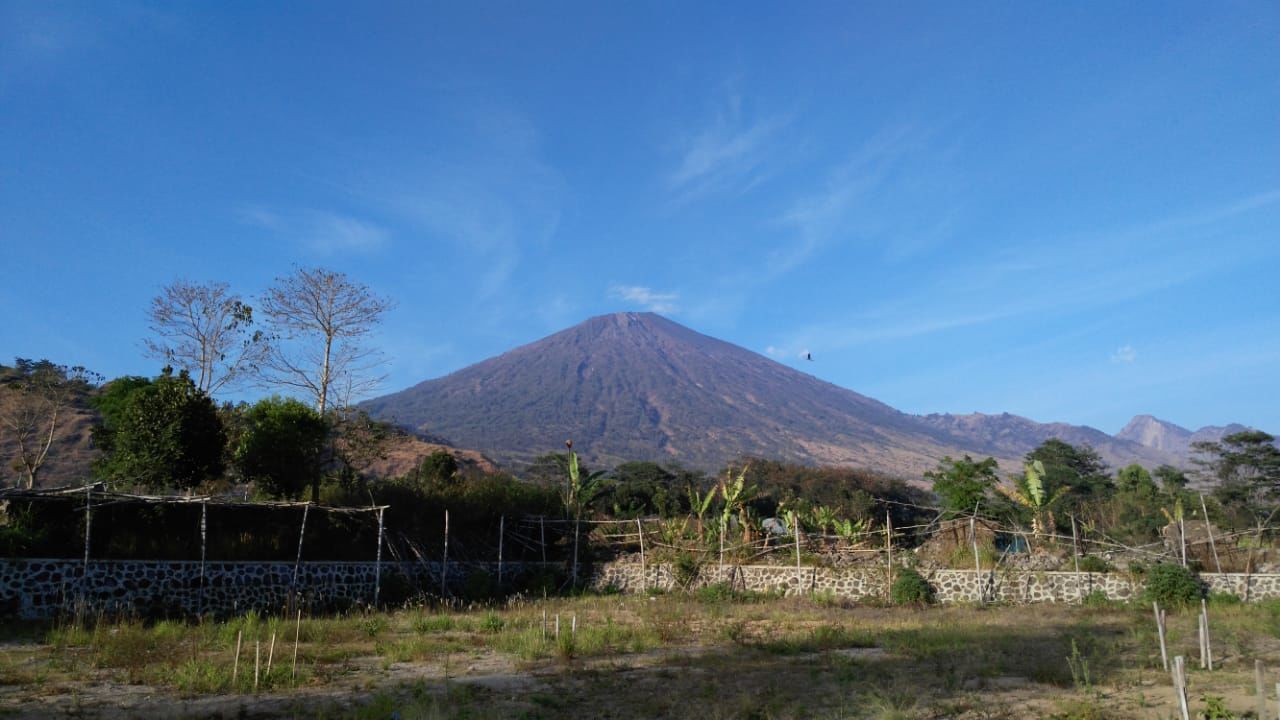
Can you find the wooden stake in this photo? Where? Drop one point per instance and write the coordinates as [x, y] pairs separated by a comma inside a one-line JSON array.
[[257, 657], [1200, 635], [573, 627], [1180, 686], [502, 527], [235, 665], [1209, 530], [542, 533], [271, 653], [544, 625], [1164, 653], [1182, 534], [557, 627], [977, 561], [1075, 555], [888, 545], [297, 633], [444, 565], [1208, 646], [1260, 688], [644, 579]]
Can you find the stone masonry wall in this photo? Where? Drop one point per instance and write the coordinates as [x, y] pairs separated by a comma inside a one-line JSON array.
[[35, 588], [949, 585]]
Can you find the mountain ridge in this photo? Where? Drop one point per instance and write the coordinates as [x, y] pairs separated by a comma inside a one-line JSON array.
[[639, 386]]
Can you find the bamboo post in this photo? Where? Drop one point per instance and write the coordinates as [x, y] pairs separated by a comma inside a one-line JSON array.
[[557, 627], [977, 560], [88, 520], [644, 577], [722, 524], [257, 657], [795, 520], [1182, 534], [542, 533], [1200, 634], [297, 634], [544, 624], [293, 584], [377, 563], [1209, 531], [888, 546], [444, 565], [573, 627], [235, 664], [204, 509], [271, 653], [1260, 688], [1180, 686], [502, 529], [1208, 646], [575, 551], [1164, 653], [1075, 555]]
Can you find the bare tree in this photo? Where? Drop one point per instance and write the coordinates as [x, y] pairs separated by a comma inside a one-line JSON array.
[[36, 394], [319, 319], [204, 329]]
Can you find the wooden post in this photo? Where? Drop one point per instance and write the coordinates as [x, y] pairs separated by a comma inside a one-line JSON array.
[[1200, 634], [257, 657], [444, 564], [302, 530], [1209, 531], [544, 624], [977, 560], [377, 566], [888, 545], [271, 653], [1164, 653], [502, 528], [573, 627], [235, 664], [722, 524], [88, 520], [644, 578], [557, 627], [1260, 688], [297, 634], [1075, 555], [542, 533], [1208, 646], [204, 508], [575, 551], [1180, 686], [1182, 534]]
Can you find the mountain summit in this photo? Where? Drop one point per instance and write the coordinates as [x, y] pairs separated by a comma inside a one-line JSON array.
[[637, 386]]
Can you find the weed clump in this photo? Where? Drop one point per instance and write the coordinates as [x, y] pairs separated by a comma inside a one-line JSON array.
[[1172, 585], [910, 588]]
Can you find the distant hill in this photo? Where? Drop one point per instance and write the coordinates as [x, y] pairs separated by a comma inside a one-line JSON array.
[[1170, 438], [637, 386]]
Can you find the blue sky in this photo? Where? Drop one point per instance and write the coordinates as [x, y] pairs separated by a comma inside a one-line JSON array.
[[1066, 211]]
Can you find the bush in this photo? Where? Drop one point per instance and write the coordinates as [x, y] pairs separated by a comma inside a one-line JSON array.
[[1094, 564], [1172, 585], [1097, 599], [910, 588]]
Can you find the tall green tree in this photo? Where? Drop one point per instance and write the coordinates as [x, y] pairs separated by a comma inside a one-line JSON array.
[[1246, 466], [159, 434], [282, 447], [962, 484], [1076, 472]]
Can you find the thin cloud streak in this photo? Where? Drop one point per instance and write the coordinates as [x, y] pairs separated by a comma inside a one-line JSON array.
[[650, 300]]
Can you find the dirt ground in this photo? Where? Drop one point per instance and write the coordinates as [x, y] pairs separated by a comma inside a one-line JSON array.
[[682, 658]]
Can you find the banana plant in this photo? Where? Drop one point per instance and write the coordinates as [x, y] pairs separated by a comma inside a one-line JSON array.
[[850, 530], [1029, 492], [736, 494], [700, 504], [823, 517], [579, 491]]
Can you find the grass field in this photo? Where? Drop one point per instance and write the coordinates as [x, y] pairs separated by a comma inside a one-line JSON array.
[[706, 656]]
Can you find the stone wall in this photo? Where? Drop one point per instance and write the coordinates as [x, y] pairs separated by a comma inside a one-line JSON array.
[[949, 585], [33, 588]]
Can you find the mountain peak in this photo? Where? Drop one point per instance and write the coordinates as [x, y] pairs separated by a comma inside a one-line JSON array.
[[1153, 432]]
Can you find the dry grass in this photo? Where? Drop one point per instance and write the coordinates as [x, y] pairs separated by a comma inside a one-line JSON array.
[[633, 657]]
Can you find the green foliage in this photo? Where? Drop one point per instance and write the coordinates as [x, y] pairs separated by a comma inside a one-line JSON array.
[[282, 447], [910, 588], [1172, 585], [1215, 708], [159, 434], [962, 484], [438, 468], [1077, 472], [1094, 564], [1097, 599], [643, 489], [1247, 468]]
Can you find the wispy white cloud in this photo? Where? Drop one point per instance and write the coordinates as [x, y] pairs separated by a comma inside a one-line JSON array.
[[1124, 355], [728, 154], [322, 232], [659, 302]]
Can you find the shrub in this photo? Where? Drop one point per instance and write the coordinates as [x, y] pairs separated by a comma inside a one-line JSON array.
[[1095, 564], [1096, 599], [910, 588], [1172, 585]]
